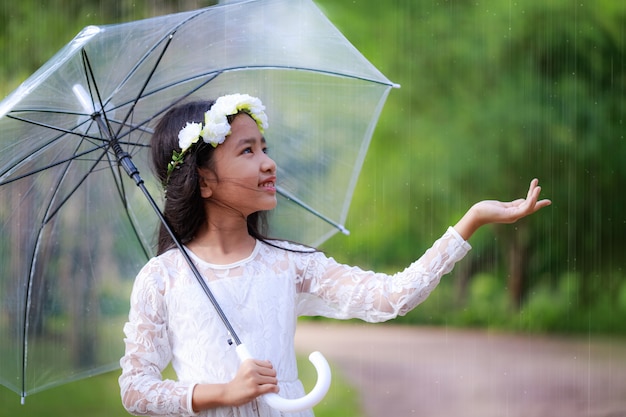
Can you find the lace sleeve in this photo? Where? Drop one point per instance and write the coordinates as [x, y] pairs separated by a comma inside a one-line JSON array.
[[148, 352], [331, 289]]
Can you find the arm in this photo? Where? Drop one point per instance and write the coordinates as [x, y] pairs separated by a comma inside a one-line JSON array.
[[490, 211], [340, 291], [148, 352], [334, 290]]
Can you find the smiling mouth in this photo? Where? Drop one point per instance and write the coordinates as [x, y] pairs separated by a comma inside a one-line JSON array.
[[269, 185]]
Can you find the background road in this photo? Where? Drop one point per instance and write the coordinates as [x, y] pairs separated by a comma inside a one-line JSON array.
[[405, 371]]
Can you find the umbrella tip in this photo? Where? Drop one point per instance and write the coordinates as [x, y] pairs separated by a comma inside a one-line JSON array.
[[394, 85], [343, 230]]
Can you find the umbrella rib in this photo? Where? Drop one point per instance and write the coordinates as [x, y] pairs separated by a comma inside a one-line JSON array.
[[27, 307], [146, 82], [169, 36], [117, 174], [139, 127], [271, 67], [136, 127], [30, 280], [64, 131], [215, 74], [51, 214], [91, 79], [55, 128], [73, 157], [314, 70], [311, 210]]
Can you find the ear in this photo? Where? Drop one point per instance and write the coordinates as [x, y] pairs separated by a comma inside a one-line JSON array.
[[207, 180]]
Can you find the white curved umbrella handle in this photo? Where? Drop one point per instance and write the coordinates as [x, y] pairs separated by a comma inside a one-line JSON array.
[[298, 404]]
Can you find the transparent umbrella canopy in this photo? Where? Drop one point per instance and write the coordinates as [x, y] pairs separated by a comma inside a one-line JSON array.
[[76, 229]]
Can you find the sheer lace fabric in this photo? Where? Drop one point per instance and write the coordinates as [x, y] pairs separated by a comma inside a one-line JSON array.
[[171, 319]]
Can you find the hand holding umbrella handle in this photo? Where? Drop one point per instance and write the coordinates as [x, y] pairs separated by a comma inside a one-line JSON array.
[[298, 404]]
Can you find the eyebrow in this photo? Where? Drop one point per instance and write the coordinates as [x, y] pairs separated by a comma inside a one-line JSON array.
[[250, 141]]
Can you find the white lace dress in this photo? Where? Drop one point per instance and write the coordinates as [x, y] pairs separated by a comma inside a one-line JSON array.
[[171, 319]]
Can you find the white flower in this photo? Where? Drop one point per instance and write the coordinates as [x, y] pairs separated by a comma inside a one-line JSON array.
[[216, 126], [189, 135]]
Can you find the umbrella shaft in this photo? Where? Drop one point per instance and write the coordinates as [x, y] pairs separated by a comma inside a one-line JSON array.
[[125, 160], [127, 163]]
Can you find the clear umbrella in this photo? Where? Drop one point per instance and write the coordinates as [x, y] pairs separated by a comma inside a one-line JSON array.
[[76, 230]]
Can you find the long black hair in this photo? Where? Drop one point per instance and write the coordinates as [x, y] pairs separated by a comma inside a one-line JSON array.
[[184, 205]]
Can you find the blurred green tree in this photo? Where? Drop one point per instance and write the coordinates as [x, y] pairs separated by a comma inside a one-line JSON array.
[[494, 94]]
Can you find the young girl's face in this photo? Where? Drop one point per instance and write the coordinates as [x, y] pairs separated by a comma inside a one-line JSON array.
[[246, 175]]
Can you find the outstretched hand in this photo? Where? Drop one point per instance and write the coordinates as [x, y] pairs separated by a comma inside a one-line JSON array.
[[491, 211]]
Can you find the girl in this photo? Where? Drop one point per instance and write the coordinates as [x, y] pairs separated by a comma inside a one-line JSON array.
[[212, 160]]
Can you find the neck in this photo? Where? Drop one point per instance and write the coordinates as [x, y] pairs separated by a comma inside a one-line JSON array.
[[223, 240]]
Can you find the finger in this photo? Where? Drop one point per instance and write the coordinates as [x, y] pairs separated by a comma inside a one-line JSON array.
[[542, 203], [534, 196], [267, 388], [533, 184], [262, 379], [539, 204], [269, 372], [267, 382], [264, 364], [533, 190]]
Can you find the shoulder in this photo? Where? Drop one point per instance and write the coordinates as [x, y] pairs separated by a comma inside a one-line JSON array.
[[291, 252], [164, 260], [301, 257], [157, 271], [289, 249]]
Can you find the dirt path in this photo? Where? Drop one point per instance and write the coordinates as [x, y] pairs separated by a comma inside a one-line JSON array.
[[432, 372]]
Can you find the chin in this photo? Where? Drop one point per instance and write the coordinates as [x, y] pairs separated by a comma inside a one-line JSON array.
[[272, 206]]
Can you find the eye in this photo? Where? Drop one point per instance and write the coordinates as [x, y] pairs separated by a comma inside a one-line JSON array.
[[247, 150], [266, 150]]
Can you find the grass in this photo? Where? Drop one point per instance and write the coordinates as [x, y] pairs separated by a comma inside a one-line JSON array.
[[342, 399], [99, 397], [94, 397]]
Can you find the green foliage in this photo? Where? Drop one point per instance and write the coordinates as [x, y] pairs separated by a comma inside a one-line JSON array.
[[493, 95], [31, 31], [548, 308], [487, 302]]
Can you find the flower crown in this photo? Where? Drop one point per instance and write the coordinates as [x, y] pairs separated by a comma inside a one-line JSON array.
[[216, 126]]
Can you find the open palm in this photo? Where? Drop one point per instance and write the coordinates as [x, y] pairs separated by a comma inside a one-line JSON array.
[[493, 211]]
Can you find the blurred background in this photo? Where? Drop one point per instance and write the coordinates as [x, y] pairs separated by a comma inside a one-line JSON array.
[[494, 93]]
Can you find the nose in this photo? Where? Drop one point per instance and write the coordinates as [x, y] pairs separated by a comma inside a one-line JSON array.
[[268, 164]]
